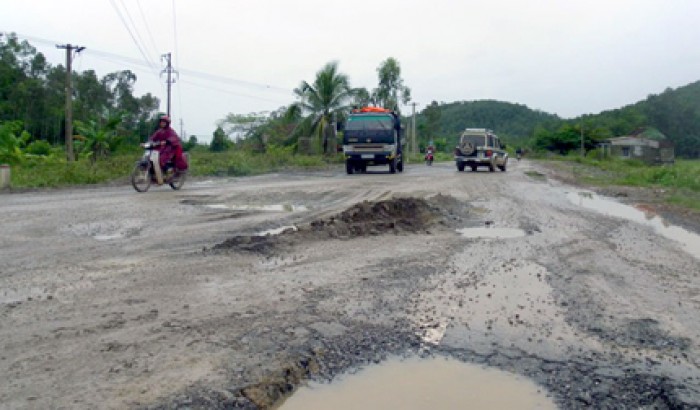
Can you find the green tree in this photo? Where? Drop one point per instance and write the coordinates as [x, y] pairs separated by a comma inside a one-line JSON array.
[[391, 89], [362, 98], [323, 102], [92, 96], [190, 144], [219, 142], [33, 92]]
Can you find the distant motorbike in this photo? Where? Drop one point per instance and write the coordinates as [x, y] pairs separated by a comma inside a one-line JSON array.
[[429, 158], [147, 171]]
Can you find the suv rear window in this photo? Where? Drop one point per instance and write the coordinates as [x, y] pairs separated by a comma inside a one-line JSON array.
[[475, 140]]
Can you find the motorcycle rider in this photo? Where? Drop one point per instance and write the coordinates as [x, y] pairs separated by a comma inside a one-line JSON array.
[[429, 154], [168, 146]]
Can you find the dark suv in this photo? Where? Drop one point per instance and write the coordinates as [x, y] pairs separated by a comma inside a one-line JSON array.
[[479, 147]]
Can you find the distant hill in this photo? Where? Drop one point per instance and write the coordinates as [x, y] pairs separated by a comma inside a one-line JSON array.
[[675, 113], [514, 123]]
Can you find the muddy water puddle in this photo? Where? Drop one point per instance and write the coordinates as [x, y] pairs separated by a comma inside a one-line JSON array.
[[277, 231], [689, 240], [415, 383], [260, 208], [491, 233]]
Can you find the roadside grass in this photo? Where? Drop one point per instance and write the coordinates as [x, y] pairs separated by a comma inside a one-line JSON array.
[[241, 163], [680, 182], [54, 171]]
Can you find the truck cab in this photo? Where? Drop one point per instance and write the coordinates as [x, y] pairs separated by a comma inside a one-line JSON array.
[[372, 136]]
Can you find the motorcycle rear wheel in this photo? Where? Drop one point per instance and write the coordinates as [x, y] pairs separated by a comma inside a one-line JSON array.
[[141, 178], [178, 181]]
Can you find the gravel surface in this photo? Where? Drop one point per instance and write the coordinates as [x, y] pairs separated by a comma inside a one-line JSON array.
[[232, 292]]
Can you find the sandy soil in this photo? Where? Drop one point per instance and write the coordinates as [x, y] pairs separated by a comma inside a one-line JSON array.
[[232, 292]]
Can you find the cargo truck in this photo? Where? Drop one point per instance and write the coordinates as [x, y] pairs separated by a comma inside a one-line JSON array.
[[372, 136]]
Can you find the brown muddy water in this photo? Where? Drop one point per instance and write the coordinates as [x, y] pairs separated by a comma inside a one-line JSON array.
[[689, 240], [412, 384]]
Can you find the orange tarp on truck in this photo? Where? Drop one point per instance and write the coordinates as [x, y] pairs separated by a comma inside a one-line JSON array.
[[371, 109]]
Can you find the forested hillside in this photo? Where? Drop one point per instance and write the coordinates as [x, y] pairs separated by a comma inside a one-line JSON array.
[[515, 123], [675, 112]]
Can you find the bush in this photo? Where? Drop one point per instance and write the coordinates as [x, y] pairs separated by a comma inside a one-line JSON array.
[[40, 147]]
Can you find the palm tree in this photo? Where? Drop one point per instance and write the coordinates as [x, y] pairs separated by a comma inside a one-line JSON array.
[[323, 102]]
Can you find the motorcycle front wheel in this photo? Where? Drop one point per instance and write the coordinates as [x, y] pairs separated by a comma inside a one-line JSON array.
[[178, 181], [141, 178]]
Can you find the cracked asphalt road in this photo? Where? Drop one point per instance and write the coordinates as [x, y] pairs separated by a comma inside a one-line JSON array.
[[114, 299]]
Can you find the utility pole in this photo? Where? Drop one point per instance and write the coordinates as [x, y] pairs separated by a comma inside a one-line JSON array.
[[414, 142], [69, 97], [169, 71]]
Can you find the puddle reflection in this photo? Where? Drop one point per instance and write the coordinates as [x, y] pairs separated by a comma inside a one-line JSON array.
[[277, 231], [689, 240], [491, 233], [415, 383], [261, 208]]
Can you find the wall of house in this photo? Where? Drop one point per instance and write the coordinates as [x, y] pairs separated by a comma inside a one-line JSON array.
[[647, 154]]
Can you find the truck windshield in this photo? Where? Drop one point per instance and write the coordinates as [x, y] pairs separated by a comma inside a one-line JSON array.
[[370, 122]]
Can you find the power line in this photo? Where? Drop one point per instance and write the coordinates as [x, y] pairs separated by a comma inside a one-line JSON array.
[[194, 73], [138, 34], [221, 90], [121, 17], [219, 78], [177, 53], [145, 24]]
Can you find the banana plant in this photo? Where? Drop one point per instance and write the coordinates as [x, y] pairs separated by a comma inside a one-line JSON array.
[[12, 139], [95, 140]]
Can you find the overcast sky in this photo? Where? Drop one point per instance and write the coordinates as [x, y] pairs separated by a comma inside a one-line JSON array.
[[561, 56]]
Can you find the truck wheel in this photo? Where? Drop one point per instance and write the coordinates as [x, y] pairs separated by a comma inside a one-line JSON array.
[[460, 166], [399, 166], [473, 168], [491, 167], [349, 167], [503, 167], [392, 166]]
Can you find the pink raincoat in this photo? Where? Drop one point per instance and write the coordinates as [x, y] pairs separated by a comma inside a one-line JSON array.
[[172, 147]]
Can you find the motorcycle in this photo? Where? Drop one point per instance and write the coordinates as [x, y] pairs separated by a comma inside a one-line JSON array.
[[147, 171], [429, 158]]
